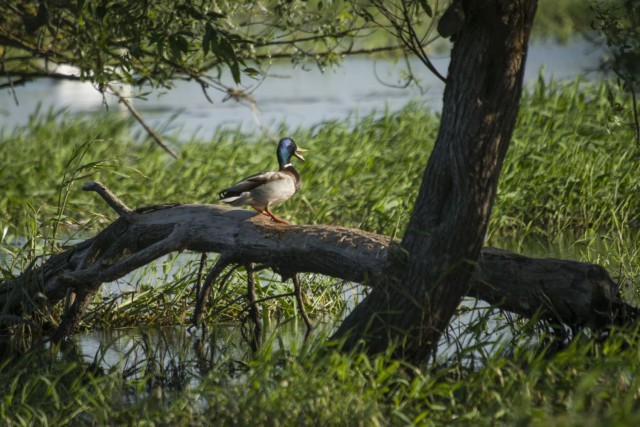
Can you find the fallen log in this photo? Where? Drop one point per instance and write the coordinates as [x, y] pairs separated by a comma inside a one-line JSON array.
[[568, 292], [576, 294]]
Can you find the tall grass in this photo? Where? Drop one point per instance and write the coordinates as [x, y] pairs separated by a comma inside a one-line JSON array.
[[345, 166], [570, 172], [570, 166]]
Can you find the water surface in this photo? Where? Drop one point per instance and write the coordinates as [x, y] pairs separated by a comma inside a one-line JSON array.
[[301, 97]]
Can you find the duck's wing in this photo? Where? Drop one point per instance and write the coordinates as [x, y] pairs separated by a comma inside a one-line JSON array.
[[250, 183]]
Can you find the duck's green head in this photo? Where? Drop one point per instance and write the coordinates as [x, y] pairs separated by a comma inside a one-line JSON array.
[[287, 149]]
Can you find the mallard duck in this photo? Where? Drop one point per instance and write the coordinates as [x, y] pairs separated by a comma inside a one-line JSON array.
[[266, 189]]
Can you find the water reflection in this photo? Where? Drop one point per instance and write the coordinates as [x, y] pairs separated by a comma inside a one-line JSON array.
[[178, 357], [476, 332]]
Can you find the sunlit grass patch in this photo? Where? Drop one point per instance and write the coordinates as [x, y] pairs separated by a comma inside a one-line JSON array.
[[569, 168]]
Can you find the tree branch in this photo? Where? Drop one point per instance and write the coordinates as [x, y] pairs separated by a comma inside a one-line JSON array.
[[141, 120], [111, 199]]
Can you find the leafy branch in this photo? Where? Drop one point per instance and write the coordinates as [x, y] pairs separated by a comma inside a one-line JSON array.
[[157, 43], [619, 25]]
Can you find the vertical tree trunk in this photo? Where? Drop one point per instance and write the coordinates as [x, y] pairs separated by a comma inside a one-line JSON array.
[[429, 275]]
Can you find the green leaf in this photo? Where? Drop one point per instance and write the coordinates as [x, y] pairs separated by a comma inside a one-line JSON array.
[[207, 39], [235, 71], [427, 9], [178, 46], [191, 11], [224, 49], [214, 15], [251, 72]]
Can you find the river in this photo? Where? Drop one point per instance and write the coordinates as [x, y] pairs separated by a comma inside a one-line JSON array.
[[294, 97]]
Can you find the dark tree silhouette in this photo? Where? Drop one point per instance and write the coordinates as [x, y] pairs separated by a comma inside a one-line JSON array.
[[418, 295]]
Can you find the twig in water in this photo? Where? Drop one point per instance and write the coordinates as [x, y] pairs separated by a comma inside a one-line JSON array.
[[222, 262], [254, 312], [303, 311]]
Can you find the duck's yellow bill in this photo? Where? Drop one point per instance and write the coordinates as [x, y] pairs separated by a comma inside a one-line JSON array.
[[298, 155]]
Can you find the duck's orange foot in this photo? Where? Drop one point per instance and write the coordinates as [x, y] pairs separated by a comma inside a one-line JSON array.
[[268, 213]]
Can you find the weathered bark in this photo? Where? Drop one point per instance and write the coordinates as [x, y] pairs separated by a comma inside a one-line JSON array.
[[417, 297], [576, 294], [569, 292]]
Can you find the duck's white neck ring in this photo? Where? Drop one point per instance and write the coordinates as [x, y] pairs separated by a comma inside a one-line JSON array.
[[287, 165]]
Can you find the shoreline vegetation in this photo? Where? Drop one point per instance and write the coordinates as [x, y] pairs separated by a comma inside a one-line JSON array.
[[570, 175], [568, 181], [573, 142]]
